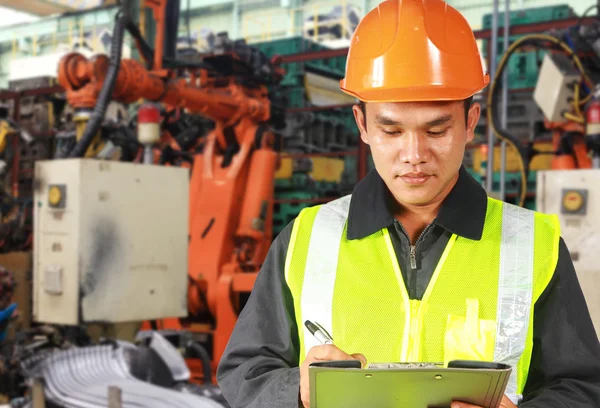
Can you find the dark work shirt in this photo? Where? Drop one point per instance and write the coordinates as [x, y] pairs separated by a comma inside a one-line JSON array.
[[259, 368]]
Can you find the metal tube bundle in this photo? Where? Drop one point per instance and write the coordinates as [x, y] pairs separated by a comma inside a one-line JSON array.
[[81, 378]]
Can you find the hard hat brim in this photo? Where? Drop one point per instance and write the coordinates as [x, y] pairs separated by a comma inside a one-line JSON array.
[[414, 94]]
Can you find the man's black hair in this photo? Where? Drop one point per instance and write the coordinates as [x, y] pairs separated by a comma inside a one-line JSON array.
[[467, 103]]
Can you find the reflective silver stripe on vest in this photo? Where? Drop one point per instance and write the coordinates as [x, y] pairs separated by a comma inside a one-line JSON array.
[[321, 266], [514, 290]]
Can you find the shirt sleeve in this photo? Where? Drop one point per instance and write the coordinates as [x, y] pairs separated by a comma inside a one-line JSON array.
[[565, 363], [259, 367]]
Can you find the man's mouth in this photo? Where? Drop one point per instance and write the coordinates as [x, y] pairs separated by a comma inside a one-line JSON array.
[[415, 178]]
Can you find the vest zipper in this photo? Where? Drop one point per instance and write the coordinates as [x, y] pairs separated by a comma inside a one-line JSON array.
[[413, 248], [415, 305]]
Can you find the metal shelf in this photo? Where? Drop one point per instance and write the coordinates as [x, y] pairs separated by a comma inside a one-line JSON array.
[[479, 34]]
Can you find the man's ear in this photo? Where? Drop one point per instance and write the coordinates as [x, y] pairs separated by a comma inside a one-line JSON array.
[[472, 120], [361, 122]]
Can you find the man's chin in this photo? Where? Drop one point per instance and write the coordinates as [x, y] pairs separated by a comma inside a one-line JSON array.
[[412, 199]]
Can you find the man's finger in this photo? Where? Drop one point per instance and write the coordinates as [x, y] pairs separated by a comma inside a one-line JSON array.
[[361, 357], [463, 405], [329, 352], [507, 403]]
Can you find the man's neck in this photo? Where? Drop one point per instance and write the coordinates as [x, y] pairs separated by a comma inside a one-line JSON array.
[[415, 219]]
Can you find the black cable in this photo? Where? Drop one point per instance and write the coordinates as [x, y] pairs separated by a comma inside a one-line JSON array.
[[203, 355], [107, 89], [148, 52], [590, 8], [145, 49]]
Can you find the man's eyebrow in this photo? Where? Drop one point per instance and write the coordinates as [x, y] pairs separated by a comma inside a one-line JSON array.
[[442, 120], [381, 119], [385, 120]]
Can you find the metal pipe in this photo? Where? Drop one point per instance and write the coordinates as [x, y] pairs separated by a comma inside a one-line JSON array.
[[235, 14], [492, 57], [148, 154], [504, 101]]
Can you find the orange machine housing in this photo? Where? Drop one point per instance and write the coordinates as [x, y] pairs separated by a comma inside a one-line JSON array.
[[579, 157]]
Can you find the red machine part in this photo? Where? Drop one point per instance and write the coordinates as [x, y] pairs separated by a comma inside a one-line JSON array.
[[148, 113], [148, 124], [592, 115]]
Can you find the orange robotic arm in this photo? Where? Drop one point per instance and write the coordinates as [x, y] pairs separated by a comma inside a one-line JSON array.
[[232, 181], [83, 80]]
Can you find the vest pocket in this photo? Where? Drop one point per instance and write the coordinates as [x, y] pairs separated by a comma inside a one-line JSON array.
[[468, 337]]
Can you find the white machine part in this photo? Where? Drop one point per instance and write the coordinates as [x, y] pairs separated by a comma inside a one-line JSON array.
[[574, 195], [554, 88], [110, 242]]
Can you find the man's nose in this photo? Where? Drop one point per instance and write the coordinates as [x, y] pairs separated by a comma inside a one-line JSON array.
[[414, 149]]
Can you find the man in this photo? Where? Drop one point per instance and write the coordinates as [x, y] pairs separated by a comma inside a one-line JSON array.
[[418, 264]]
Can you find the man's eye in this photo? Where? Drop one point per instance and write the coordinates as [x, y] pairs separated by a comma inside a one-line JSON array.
[[391, 132], [439, 133]]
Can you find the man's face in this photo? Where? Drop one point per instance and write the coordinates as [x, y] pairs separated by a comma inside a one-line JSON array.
[[417, 147]]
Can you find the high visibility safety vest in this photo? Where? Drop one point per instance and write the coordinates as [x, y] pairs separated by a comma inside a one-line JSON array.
[[477, 306]]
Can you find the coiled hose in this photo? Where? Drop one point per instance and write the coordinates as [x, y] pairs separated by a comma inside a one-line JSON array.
[[105, 96], [493, 117]]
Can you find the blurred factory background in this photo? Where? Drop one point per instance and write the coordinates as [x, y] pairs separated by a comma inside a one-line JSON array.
[[295, 145]]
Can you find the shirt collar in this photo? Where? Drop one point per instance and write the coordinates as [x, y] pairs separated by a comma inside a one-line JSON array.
[[462, 212]]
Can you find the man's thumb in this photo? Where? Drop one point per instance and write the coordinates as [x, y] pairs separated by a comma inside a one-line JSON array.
[[361, 358]]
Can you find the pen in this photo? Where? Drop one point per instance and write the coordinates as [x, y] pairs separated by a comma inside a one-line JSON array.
[[318, 332]]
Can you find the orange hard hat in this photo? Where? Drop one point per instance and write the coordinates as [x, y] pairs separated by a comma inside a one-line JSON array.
[[413, 50]]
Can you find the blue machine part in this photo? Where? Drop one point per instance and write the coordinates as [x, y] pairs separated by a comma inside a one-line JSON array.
[[5, 316]]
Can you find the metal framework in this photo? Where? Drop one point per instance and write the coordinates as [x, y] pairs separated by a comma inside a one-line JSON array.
[[362, 151], [479, 34], [36, 7]]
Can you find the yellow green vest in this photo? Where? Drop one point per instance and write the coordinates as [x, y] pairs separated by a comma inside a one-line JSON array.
[[478, 305]]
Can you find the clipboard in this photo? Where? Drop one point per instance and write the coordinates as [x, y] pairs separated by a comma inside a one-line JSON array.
[[344, 384]]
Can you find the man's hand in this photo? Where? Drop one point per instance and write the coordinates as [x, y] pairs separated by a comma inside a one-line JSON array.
[[506, 403], [321, 353]]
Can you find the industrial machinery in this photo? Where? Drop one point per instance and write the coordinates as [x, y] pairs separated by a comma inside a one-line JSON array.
[[232, 161], [568, 94], [566, 84], [97, 257], [574, 195]]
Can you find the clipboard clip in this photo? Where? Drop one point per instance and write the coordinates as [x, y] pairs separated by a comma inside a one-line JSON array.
[[404, 365]]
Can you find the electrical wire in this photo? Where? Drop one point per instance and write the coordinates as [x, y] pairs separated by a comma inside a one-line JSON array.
[[585, 100], [585, 13], [105, 95], [574, 118], [203, 355], [576, 102], [536, 40]]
